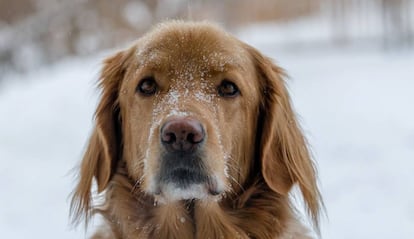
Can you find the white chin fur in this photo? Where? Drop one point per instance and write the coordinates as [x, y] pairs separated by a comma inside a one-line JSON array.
[[171, 193]]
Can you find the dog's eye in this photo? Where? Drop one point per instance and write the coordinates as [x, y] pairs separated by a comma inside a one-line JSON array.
[[147, 86], [228, 89]]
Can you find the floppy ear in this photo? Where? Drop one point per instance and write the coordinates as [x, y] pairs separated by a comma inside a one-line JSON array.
[[103, 149], [285, 159]]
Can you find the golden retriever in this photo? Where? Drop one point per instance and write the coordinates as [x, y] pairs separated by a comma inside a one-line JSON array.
[[195, 137]]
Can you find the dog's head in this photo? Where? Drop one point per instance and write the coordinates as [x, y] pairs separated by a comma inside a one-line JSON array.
[[194, 113]]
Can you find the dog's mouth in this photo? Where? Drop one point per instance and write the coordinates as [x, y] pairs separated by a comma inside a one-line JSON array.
[[183, 176]]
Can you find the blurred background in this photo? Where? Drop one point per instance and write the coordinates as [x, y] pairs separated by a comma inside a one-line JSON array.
[[35, 32], [351, 68]]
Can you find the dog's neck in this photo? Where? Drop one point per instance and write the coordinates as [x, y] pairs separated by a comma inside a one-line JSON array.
[[257, 212]]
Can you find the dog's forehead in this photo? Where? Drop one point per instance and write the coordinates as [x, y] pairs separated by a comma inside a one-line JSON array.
[[196, 48]]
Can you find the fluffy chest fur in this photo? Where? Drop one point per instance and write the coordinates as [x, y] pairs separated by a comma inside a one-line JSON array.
[[255, 213]]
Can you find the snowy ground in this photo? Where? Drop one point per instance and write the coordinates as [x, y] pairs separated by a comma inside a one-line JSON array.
[[356, 107]]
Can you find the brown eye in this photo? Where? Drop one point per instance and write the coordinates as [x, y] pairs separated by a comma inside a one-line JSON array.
[[228, 89], [147, 86]]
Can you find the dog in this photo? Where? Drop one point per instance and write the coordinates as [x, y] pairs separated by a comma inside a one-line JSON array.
[[195, 137]]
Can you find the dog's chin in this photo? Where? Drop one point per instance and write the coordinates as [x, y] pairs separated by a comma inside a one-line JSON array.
[[171, 192]]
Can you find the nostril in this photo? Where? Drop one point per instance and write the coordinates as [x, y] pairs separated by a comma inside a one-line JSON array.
[[195, 137], [190, 138], [169, 138]]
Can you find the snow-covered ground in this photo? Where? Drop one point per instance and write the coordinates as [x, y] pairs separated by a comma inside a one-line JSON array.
[[356, 107]]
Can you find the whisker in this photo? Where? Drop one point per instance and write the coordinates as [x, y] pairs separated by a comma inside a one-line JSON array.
[[237, 183], [137, 184], [237, 170]]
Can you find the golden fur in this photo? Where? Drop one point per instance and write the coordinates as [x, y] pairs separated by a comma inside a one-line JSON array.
[[255, 150]]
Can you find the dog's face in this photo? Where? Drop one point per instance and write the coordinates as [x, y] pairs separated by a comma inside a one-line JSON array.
[[189, 105], [190, 112]]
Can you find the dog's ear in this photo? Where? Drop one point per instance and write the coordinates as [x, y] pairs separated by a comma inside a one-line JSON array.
[[104, 145], [285, 158]]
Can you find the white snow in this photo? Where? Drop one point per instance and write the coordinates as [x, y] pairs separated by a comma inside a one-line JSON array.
[[356, 107], [45, 121]]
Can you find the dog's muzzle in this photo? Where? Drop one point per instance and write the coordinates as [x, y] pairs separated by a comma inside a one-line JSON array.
[[182, 163]]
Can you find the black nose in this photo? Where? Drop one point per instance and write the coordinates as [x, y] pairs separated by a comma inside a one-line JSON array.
[[182, 134]]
